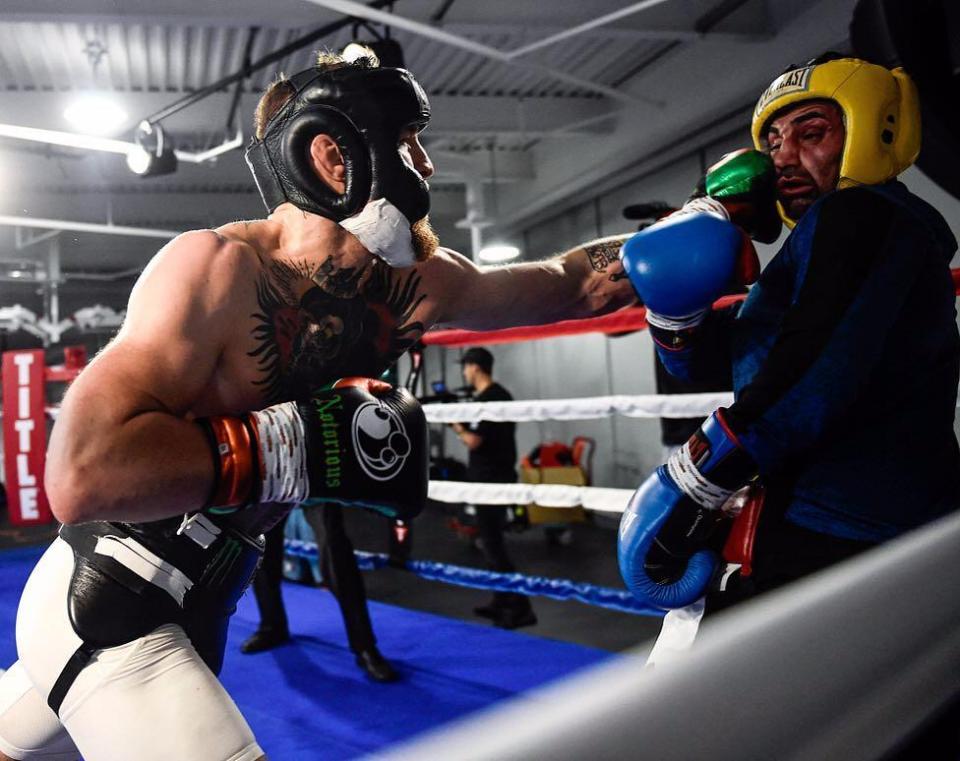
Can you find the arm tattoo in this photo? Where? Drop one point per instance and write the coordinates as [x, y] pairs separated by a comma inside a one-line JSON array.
[[602, 254]]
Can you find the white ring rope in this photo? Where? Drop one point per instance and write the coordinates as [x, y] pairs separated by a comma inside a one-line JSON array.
[[641, 406], [587, 408], [554, 495], [535, 410], [545, 495]]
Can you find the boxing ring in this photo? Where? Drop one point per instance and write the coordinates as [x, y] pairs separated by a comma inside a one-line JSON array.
[[848, 662], [844, 664], [594, 499]]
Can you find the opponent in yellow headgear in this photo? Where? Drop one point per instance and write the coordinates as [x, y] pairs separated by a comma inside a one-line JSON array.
[[881, 115]]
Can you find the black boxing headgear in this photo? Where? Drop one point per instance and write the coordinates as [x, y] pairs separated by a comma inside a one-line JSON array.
[[364, 110]]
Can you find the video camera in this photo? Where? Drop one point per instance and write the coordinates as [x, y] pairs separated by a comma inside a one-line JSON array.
[[442, 395]]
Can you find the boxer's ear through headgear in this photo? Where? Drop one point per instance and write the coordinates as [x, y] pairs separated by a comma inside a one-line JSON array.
[[298, 136], [365, 110]]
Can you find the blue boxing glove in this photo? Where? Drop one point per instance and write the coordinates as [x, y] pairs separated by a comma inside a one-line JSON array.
[[683, 263], [680, 265], [672, 530]]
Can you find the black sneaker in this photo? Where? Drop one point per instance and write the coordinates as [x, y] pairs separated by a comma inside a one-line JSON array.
[[491, 611], [264, 639], [514, 618], [376, 666]]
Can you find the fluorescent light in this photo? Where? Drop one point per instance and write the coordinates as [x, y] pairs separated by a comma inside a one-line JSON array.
[[67, 139], [498, 252], [95, 115], [89, 142]]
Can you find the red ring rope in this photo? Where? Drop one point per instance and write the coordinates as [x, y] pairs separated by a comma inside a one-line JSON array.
[[621, 321]]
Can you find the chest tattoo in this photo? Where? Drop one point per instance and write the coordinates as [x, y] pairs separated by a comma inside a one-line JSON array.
[[319, 323]]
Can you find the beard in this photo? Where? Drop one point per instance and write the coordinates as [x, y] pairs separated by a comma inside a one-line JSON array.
[[796, 207], [795, 204], [425, 240]]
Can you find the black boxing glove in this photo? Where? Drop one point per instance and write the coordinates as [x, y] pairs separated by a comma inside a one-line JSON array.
[[361, 443]]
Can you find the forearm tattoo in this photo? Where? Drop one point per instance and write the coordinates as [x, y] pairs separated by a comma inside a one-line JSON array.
[[602, 254]]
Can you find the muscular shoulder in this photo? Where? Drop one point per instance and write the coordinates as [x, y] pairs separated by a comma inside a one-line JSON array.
[[258, 234], [197, 273], [202, 257]]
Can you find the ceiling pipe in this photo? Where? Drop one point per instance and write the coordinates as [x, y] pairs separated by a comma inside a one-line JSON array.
[[476, 220], [212, 153], [277, 55], [606, 33], [86, 227], [702, 26], [355, 9], [22, 241], [50, 322], [580, 29], [108, 145], [102, 277]]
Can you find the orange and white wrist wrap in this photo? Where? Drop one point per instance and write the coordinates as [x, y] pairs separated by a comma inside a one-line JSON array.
[[260, 457]]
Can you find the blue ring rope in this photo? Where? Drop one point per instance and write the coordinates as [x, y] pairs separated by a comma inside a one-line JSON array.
[[476, 578]]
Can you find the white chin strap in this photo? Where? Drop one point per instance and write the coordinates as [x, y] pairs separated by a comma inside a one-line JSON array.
[[384, 231]]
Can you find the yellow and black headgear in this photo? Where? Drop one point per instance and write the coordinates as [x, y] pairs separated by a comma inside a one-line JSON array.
[[881, 115]]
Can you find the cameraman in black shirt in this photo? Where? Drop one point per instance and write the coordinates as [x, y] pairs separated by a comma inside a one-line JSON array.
[[492, 459]]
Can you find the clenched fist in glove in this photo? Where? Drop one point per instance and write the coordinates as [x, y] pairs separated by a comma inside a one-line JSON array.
[[673, 529], [361, 443], [745, 184], [684, 262]]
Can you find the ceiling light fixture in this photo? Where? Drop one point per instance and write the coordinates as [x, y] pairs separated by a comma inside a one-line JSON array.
[[153, 154], [95, 115]]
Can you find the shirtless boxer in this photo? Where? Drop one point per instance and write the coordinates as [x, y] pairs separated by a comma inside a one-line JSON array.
[[163, 477]]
